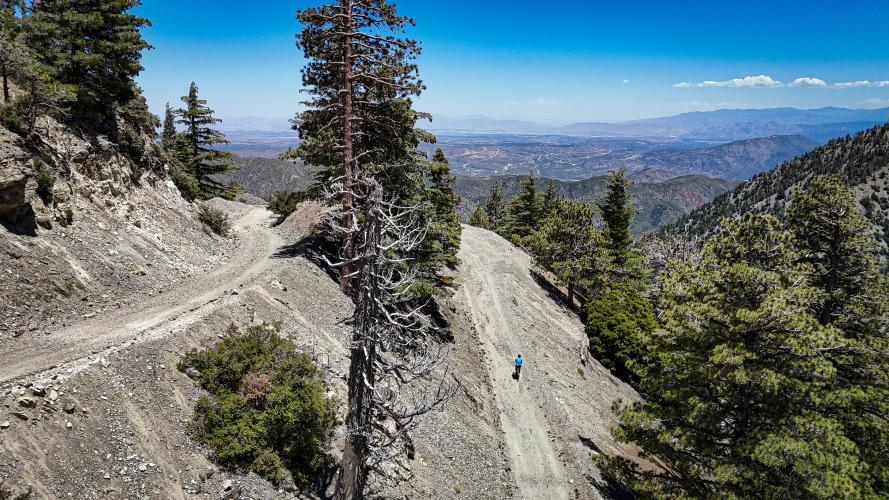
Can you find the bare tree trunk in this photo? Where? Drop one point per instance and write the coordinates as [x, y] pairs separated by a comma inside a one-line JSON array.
[[5, 82], [362, 376], [348, 154], [571, 294]]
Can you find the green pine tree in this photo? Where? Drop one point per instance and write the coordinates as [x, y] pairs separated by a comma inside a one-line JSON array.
[[359, 114], [735, 394], [445, 230], [569, 245], [617, 214], [620, 322], [836, 240], [524, 209], [479, 218], [550, 198], [495, 207], [94, 47], [168, 136], [195, 150], [10, 29]]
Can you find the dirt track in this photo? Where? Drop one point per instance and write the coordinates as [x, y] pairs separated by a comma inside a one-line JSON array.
[[72, 348]]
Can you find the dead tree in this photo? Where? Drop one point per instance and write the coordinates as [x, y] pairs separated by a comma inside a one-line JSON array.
[[359, 75], [392, 355]]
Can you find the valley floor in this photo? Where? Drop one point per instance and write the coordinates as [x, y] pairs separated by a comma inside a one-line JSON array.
[[113, 419]]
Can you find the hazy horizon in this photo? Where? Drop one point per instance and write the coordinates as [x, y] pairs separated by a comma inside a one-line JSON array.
[[601, 63]]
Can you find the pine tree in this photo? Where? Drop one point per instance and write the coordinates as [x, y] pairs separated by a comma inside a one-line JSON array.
[[524, 209], [195, 151], [168, 137], [92, 46], [479, 218], [569, 245], [444, 232], [361, 78], [620, 322], [495, 207], [835, 239], [439, 214], [617, 214], [735, 396], [550, 198], [10, 29]]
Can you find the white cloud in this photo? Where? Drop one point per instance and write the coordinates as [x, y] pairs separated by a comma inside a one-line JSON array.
[[747, 81], [769, 82], [510, 104], [807, 81], [626, 81], [848, 85], [861, 83]]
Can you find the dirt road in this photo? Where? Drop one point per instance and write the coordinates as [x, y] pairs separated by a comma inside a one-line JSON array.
[[488, 279], [70, 349]]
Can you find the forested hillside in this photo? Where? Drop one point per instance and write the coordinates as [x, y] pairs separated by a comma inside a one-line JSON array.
[[862, 161], [658, 203]]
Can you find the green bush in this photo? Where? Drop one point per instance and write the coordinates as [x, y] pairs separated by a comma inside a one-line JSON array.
[[215, 220], [266, 410], [45, 178], [6, 494], [231, 191], [14, 115], [187, 183], [285, 203]]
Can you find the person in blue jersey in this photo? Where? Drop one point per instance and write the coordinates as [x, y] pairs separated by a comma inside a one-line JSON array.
[[518, 366]]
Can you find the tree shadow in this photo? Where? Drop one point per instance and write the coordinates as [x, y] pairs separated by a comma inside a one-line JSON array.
[[551, 290], [314, 248]]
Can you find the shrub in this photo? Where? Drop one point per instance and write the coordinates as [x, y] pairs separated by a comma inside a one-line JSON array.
[[45, 178], [187, 183], [14, 115], [215, 220], [6, 494], [266, 410], [232, 190], [285, 203]]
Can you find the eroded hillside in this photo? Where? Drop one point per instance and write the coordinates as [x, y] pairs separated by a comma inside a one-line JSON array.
[[95, 406]]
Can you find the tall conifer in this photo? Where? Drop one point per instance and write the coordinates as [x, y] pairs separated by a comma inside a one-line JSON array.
[[195, 151]]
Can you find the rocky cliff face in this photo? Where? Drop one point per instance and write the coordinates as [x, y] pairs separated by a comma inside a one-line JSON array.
[[75, 166], [83, 228]]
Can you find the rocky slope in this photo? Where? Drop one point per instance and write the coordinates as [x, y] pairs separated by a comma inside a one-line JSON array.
[[107, 232], [94, 407], [861, 160]]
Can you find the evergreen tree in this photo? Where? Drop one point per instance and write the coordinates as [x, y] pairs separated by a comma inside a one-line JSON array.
[[439, 214], [360, 78], [735, 396], [620, 322], [444, 232], [835, 239], [479, 218], [168, 137], [94, 47], [550, 198], [10, 28], [569, 245], [195, 151], [617, 214], [495, 207], [524, 209]]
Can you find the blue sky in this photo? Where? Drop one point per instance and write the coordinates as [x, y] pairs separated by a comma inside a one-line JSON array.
[[547, 61]]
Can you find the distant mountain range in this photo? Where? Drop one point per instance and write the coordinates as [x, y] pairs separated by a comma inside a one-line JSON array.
[[658, 203], [721, 125], [862, 161]]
